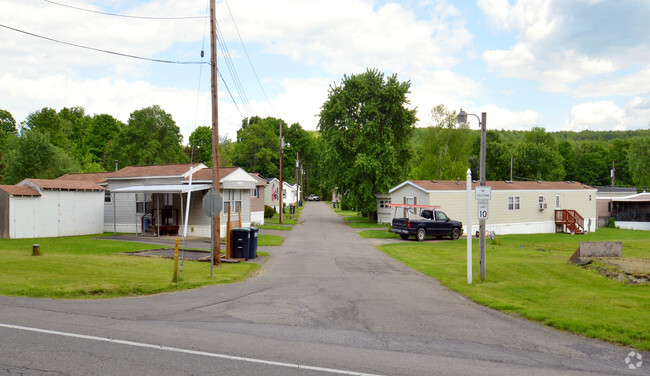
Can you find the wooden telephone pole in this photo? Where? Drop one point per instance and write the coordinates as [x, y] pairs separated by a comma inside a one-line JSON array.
[[216, 220]]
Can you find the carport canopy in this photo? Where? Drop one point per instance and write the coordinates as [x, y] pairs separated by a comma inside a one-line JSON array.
[[165, 188]]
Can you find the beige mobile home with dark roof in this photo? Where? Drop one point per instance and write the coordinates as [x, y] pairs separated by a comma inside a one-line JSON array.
[[519, 207]]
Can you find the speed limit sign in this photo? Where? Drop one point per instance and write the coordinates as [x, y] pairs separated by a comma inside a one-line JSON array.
[[482, 209]]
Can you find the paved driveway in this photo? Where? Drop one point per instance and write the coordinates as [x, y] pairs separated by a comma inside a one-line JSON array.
[[327, 301]]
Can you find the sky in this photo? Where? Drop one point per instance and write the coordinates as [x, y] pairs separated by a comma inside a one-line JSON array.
[[556, 64]]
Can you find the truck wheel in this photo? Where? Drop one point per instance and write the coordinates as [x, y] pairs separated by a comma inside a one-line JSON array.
[[404, 236], [455, 234], [421, 234]]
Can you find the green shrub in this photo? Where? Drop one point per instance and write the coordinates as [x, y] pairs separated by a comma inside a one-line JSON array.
[[612, 223], [268, 211]]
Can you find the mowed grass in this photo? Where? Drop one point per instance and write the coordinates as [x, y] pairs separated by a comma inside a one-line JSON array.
[[541, 286], [378, 234], [83, 267]]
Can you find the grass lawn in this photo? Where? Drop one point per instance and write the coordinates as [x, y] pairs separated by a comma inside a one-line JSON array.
[[83, 267], [357, 221], [378, 234], [269, 240], [541, 285]]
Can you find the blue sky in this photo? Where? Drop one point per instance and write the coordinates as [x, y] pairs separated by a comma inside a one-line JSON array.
[[561, 65]]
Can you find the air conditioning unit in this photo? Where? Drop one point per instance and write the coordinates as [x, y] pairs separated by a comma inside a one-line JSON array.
[[542, 206]]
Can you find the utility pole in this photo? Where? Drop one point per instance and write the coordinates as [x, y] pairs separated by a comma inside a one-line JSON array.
[[297, 180], [216, 220], [613, 174], [281, 184], [481, 222]]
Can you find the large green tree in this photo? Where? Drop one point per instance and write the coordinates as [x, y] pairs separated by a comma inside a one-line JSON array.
[[366, 127], [445, 147], [32, 155], [150, 137], [7, 123], [103, 129], [201, 145], [638, 159], [257, 146]]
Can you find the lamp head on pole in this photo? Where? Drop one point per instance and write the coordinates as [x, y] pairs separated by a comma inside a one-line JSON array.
[[462, 117]]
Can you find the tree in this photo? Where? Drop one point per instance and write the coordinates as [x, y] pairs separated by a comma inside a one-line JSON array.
[[7, 124], [638, 159], [7, 130], [594, 166], [150, 137], [366, 128], [537, 162], [201, 142], [47, 122], [258, 145], [103, 129], [569, 162], [618, 152], [32, 155], [445, 147]]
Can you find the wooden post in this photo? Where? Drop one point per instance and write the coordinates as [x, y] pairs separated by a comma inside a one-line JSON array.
[[36, 249], [175, 279]]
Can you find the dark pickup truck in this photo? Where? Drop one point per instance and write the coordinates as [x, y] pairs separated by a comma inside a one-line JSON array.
[[431, 223]]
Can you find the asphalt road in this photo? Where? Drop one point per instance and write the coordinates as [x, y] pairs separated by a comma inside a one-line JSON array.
[[326, 302]]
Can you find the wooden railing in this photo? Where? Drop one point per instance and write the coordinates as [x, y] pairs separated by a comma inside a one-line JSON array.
[[567, 220]]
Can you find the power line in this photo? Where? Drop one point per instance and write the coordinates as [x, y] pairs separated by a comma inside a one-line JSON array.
[[248, 56], [229, 92], [101, 50], [233, 72], [124, 15]]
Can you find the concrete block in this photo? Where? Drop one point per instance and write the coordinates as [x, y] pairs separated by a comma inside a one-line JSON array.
[[601, 249]]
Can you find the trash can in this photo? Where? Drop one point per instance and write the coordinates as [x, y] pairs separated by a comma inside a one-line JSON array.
[[145, 224], [240, 242], [252, 247]]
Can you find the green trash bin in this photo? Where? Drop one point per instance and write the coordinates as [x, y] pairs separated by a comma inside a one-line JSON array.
[[241, 243], [252, 250]]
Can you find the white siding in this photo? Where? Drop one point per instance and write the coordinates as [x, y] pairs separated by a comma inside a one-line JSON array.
[[56, 213]]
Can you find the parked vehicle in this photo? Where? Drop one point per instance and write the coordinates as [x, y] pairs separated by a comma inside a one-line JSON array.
[[313, 197], [429, 222]]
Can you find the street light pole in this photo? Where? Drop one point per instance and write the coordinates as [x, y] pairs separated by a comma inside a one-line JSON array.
[[481, 222], [462, 119], [281, 185]]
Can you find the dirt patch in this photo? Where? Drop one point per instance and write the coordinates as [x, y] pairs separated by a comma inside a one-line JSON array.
[[626, 270]]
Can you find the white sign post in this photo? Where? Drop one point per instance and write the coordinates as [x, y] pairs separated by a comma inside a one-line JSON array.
[[468, 226]]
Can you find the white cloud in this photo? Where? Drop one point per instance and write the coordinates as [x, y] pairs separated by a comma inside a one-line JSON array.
[[498, 118], [631, 84], [346, 36], [607, 116]]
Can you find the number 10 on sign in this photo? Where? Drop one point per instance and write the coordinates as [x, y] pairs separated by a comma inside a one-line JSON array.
[[482, 209]]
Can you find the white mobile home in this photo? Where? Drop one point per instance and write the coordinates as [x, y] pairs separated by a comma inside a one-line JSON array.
[[519, 207], [153, 199]]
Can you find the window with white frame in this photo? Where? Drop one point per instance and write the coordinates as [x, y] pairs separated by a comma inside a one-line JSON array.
[[255, 193], [557, 201], [513, 203], [384, 203], [107, 196], [231, 199], [143, 202]]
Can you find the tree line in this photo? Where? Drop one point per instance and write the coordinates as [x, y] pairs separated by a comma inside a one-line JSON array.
[[366, 143]]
